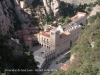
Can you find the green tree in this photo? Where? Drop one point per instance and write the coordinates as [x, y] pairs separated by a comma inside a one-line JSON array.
[[67, 20], [71, 72], [61, 19]]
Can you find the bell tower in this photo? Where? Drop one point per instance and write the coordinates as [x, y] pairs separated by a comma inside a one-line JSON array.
[[54, 40]]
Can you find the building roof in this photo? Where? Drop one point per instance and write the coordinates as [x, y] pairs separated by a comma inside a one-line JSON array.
[[74, 17], [77, 15], [81, 13], [80, 18], [59, 28], [48, 28], [46, 34], [66, 32], [64, 66], [70, 25]]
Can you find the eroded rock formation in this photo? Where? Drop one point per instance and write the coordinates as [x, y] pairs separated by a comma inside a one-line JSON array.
[[6, 17], [52, 6]]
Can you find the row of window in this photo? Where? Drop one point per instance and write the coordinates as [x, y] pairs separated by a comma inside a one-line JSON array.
[[75, 34]]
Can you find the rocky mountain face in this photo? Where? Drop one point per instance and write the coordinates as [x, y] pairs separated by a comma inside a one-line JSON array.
[[6, 16], [77, 2], [52, 6], [12, 16]]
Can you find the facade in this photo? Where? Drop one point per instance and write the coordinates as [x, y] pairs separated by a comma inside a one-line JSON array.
[[74, 30]]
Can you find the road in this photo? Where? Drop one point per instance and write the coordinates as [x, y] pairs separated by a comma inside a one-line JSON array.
[[54, 64]]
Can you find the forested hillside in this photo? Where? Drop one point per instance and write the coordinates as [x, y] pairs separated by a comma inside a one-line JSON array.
[[86, 50]]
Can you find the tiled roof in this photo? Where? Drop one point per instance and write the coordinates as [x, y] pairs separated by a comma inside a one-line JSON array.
[[81, 13], [64, 66], [67, 33], [74, 17], [45, 34]]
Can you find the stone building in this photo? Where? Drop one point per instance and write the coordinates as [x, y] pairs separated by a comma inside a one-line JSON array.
[[80, 18], [28, 35], [74, 30], [59, 38], [56, 41]]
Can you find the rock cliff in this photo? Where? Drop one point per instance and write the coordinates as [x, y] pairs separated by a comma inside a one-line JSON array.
[[12, 16], [77, 2], [9, 22], [52, 6], [5, 17]]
